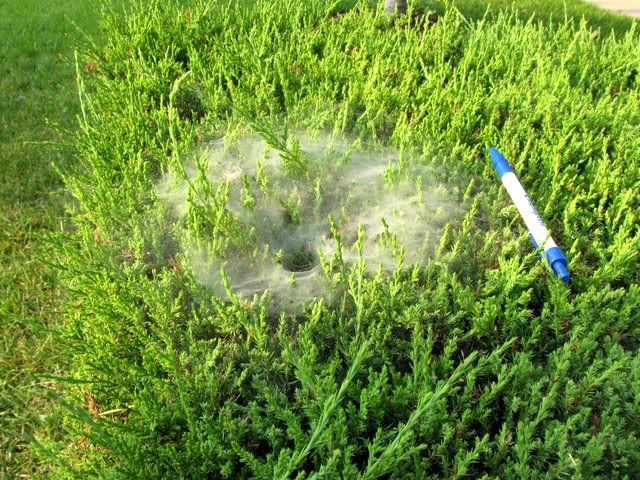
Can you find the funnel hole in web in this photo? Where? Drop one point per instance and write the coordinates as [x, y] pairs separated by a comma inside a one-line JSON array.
[[299, 259]]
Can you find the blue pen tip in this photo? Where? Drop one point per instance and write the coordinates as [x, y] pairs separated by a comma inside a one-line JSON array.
[[562, 272], [558, 263], [499, 162]]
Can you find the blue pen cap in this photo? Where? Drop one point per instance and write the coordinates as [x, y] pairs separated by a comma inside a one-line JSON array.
[[558, 263], [500, 163]]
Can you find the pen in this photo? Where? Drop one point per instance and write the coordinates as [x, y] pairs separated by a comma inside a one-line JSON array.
[[538, 230]]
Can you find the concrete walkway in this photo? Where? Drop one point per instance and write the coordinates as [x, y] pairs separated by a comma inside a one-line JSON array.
[[626, 7]]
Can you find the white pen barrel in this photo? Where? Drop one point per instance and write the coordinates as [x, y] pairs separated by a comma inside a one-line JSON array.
[[529, 214]]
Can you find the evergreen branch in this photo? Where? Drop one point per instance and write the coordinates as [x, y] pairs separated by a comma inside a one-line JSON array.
[[330, 406], [393, 453]]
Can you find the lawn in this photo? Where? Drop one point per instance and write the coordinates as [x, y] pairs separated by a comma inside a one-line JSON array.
[[39, 101], [557, 11], [478, 363], [551, 11]]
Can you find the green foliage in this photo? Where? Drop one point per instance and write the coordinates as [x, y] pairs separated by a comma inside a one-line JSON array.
[[293, 158], [480, 363], [39, 102]]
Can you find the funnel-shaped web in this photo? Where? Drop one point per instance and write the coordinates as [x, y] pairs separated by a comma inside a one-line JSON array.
[[283, 216]]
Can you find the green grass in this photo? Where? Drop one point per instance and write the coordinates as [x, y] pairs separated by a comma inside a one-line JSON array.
[[557, 10], [478, 363], [553, 11], [37, 84], [39, 99]]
